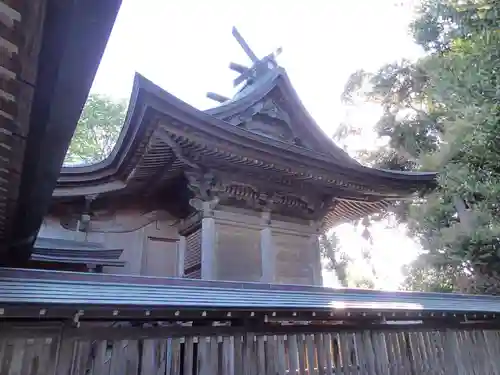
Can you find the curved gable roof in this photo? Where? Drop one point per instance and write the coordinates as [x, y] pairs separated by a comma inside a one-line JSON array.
[[303, 123], [148, 101]]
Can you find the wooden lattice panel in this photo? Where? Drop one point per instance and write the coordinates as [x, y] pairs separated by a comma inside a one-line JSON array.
[[192, 262]]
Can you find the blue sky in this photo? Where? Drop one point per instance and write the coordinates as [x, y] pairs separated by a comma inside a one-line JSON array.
[[185, 47]]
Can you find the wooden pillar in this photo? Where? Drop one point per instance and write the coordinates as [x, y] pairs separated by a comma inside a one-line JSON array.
[[316, 255], [267, 251], [208, 245], [181, 256]]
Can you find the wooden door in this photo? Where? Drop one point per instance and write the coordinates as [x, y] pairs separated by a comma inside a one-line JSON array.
[[161, 257]]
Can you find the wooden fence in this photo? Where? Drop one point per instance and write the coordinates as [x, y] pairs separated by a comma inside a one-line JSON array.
[[455, 352]]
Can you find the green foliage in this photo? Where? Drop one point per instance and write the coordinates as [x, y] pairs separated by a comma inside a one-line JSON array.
[[442, 113], [336, 260], [432, 273], [97, 130]]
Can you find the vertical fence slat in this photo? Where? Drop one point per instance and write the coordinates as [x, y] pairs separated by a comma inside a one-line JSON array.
[[433, 350], [189, 356], [301, 344], [271, 363], [238, 354], [204, 365], [173, 355], [249, 364], [311, 357], [392, 357], [493, 353], [132, 360], [404, 352], [65, 357], [416, 360], [327, 347], [345, 353], [360, 353], [320, 351], [261, 355], [16, 361], [282, 364], [293, 357], [464, 351], [382, 353], [32, 353], [368, 352]]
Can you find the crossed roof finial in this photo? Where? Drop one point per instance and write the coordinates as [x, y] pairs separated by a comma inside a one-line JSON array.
[[248, 73], [258, 65]]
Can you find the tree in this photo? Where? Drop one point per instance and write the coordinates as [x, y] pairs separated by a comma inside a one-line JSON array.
[[336, 260], [442, 113], [97, 130], [343, 265]]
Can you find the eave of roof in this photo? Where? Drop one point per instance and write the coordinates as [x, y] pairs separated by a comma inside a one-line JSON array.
[[149, 103], [88, 261], [100, 294], [74, 37], [55, 250]]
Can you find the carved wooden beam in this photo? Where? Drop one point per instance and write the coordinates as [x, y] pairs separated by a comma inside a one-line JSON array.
[[216, 97], [202, 184], [238, 68], [162, 134], [120, 225], [244, 45]]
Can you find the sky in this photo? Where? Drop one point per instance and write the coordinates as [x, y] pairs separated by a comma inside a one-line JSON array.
[[185, 48]]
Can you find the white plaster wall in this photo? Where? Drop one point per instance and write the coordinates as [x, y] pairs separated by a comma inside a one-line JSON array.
[[151, 250]]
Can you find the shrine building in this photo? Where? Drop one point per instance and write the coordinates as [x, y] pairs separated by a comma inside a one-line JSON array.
[[238, 192]]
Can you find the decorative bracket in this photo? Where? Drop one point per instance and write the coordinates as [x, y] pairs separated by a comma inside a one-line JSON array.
[[201, 184], [165, 137], [207, 191]]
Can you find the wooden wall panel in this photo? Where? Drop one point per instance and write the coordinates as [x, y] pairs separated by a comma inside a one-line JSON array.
[[21, 30], [294, 259], [160, 257], [238, 255]]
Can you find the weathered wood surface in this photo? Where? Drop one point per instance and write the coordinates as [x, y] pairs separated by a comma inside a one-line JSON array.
[[368, 352], [20, 40]]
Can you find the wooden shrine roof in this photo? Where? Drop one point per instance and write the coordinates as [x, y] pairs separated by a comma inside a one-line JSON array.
[[163, 138], [57, 295], [49, 50], [54, 250]]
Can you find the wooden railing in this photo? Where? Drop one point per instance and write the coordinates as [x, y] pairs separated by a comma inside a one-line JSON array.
[[36, 350]]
